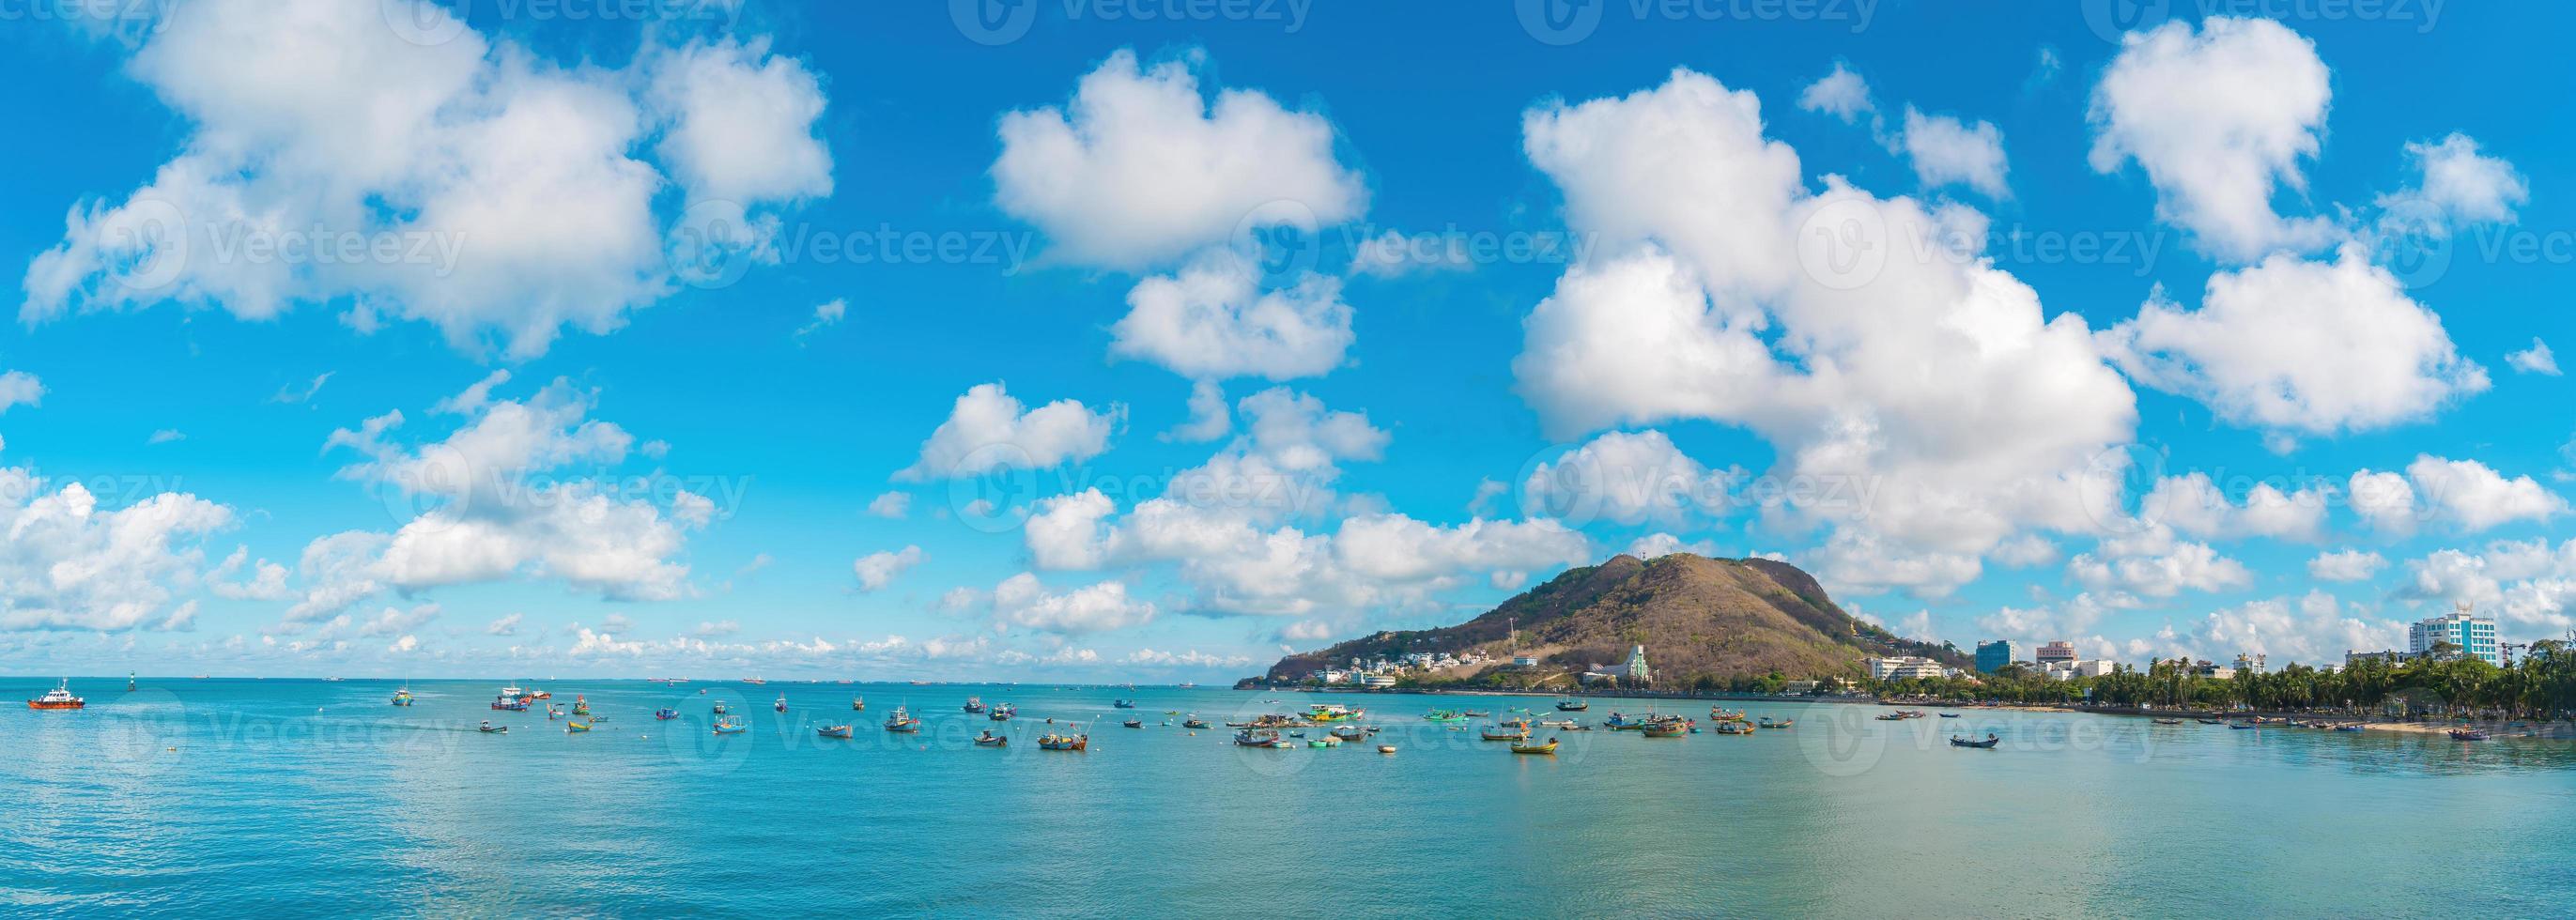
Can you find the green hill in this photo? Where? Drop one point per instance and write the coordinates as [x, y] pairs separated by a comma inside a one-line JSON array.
[[1703, 621]]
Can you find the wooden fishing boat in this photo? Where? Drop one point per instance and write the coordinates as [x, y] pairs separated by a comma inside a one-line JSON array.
[[988, 739], [1768, 722], [1572, 705], [1122, 704], [1133, 723], [974, 705], [1064, 742], [1500, 733], [2467, 734], [902, 721], [836, 731], [1668, 728], [2168, 721], [1734, 728], [1989, 743], [720, 707], [491, 729], [1548, 748], [858, 704], [781, 705], [402, 697], [576, 725], [729, 727], [1196, 722], [1002, 712], [1350, 733], [666, 714], [1256, 738]]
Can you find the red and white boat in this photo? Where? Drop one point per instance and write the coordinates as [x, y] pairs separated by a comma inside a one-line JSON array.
[[58, 698]]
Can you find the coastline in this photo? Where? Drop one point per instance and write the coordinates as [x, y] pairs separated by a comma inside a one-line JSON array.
[[2499, 729]]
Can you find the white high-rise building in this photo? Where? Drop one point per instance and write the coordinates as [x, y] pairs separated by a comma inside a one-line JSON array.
[[2475, 636]]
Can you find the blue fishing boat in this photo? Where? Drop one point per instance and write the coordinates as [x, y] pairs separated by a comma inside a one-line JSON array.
[[666, 714], [730, 727], [834, 731], [1122, 704], [902, 721]]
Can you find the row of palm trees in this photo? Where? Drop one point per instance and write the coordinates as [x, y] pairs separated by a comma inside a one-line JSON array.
[[2542, 685]]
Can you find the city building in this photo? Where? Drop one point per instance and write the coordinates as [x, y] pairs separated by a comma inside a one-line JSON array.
[[1377, 682], [1992, 656], [2060, 650], [1637, 672], [1904, 667], [2475, 636], [2255, 662], [1526, 661]]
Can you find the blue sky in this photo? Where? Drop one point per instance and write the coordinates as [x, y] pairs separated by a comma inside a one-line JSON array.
[[865, 340]]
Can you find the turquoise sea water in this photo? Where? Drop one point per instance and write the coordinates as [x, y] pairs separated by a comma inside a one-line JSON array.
[[297, 798]]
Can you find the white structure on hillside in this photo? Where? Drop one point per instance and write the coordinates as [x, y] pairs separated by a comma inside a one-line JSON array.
[[1904, 667], [1637, 667]]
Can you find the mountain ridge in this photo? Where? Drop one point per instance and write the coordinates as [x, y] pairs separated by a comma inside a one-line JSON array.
[[1703, 622]]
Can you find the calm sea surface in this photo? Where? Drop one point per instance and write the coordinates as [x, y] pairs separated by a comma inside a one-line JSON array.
[[301, 798]]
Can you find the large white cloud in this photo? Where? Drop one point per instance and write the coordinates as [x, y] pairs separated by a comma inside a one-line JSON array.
[[1628, 477], [1923, 394], [2218, 118], [1024, 602], [989, 430], [2297, 346], [1213, 320], [2461, 183], [742, 123], [878, 569], [1944, 150], [2476, 497], [491, 502], [68, 563], [1140, 169], [507, 192]]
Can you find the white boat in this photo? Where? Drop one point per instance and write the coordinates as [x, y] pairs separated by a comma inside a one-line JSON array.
[[512, 692]]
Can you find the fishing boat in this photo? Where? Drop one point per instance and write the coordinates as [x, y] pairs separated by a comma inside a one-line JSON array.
[[1386, 749], [513, 692], [988, 739], [1443, 715], [974, 705], [720, 707], [129, 683], [2209, 721], [902, 721], [1526, 748], [666, 714], [858, 704], [490, 729], [580, 705], [576, 725], [781, 705], [1002, 712], [730, 727], [2350, 728], [1889, 717], [1989, 743], [1769, 722], [511, 703], [1255, 737], [1669, 728], [1734, 728], [1949, 715], [2168, 721], [1333, 712], [58, 698], [1504, 733], [1621, 723], [1133, 723], [1195, 722], [1350, 733], [1122, 704], [835, 731], [1320, 743], [2241, 725], [1725, 715], [402, 697], [1475, 713], [1053, 742], [2467, 734], [1570, 704]]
